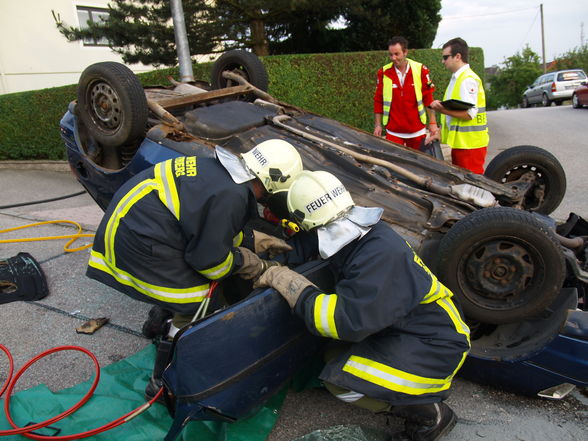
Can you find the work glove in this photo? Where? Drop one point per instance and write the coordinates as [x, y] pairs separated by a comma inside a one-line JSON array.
[[288, 283], [253, 266], [264, 242]]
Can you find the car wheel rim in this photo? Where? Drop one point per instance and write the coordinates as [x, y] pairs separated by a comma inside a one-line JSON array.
[[497, 274], [533, 199], [105, 106], [236, 69], [575, 100]]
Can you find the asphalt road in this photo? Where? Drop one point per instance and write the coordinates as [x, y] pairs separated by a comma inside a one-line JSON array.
[[29, 328], [562, 130]]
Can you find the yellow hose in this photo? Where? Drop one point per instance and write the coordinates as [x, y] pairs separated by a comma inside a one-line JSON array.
[[72, 237]]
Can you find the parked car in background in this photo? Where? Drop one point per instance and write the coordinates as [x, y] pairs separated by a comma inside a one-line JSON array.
[[580, 96], [553, 87]]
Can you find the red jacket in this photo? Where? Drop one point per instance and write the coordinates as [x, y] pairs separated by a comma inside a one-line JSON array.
[[404, 115]]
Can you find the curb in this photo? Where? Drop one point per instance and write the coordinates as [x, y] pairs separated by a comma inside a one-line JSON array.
[[55, 166]]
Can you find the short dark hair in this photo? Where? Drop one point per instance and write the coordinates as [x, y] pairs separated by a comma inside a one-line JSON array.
[[403, 42], [458, 46]]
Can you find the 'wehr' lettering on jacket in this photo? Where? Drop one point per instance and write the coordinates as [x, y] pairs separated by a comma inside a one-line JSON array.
[[260, 158], [322, 200]]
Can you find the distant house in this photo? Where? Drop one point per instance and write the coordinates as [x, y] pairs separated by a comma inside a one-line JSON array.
[[34, 55]]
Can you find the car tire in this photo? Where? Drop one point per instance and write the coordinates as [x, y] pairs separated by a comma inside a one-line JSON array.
[[545, 102], [503, 264], [509, 165], [112, 104], [575, 102], [244, 63], [525, 103], [558, 103]]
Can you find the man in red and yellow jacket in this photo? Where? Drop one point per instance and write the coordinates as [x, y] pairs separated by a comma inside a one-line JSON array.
[[403, 93]]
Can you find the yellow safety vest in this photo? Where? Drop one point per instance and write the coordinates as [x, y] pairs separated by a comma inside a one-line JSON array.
[[466, 134], [418, 89]]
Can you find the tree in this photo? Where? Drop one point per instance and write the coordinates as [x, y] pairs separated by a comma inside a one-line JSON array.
[[142, 30], [520, 70], [576, 58]]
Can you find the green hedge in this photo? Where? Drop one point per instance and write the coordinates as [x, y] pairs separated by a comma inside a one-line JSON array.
[[339, 86]]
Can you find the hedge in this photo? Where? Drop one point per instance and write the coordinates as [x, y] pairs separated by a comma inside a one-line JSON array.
[[338, 85]]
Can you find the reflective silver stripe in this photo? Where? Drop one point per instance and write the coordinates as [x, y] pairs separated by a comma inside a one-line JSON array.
[[196, 293], [481, 110], [350, 397], [390, 378], [421, 111], [219, 270], [387, 103], [468, 128]]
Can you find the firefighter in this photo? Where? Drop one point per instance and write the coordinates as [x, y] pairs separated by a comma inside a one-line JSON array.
[[398, 339], [175, 227]]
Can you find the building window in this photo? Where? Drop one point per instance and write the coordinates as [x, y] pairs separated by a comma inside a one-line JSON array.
[[92, 15]]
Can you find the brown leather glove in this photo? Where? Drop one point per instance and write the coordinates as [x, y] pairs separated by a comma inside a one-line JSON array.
[[253, 266], [288, 283], [264, 242]]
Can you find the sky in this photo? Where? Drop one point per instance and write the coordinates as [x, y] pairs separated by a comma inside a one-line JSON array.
[[503, 27]]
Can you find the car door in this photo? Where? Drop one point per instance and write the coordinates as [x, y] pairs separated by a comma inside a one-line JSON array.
[[534, 91]]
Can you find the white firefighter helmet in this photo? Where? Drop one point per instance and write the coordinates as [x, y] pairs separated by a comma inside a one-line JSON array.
[[275, 162], [316, 198]]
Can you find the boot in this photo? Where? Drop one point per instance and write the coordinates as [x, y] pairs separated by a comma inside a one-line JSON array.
[[161, 361], [426, 422], [157, 322]]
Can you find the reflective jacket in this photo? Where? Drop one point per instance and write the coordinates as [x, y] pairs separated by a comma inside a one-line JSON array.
[[466, 134], [407, 338], [387, 90], [170, 230]]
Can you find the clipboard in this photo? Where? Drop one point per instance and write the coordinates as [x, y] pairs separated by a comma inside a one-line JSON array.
[[457, 105]]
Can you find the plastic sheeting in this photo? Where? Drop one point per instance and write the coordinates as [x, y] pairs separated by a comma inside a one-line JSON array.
[[120, 390], [346, 433]]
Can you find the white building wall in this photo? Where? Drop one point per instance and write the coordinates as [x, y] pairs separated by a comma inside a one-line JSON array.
[[34, 55]]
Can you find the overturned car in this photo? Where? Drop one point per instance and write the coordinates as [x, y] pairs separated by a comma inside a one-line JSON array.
[[520, 278]]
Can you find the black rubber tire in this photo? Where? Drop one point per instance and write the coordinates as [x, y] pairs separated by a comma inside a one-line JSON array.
[[525, 103], [243, 63], [575, 103], [545, 102], [112, 104], [510, 164], [558, 103], [503, 264]]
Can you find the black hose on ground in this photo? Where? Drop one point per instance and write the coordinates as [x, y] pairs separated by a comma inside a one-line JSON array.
[[22, 204]]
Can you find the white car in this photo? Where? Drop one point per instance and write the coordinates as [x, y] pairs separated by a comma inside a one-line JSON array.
[[553, 87]]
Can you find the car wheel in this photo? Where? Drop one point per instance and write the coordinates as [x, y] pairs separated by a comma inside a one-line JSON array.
[[550, 178], [575, 103], [503, 264], [525, 103], [112, 104], [545, 101], [244, 63]]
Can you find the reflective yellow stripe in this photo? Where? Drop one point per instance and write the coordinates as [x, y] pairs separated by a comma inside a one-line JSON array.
[[168, 193], [437, 290], [220, 270], [324, 315], [460, 326], [192, 294], [137, 192], [238, 239], [394, 379]]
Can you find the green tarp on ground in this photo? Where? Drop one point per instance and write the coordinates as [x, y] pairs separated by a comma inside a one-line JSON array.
[[121, 390]]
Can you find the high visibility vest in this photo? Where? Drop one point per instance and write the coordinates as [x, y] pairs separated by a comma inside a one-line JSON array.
[[466, 134], [418, 89]]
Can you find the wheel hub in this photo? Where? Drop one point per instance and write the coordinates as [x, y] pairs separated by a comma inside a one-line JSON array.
[[105, 105], [500, 269]]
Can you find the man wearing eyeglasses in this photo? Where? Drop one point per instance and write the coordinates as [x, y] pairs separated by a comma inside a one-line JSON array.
[[465, 131], [403, 94]]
